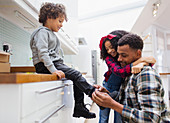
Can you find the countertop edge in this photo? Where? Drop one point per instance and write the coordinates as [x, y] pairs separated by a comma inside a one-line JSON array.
[[19, 78]]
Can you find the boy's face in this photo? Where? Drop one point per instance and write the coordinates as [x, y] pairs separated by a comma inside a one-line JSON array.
[[55, 24]]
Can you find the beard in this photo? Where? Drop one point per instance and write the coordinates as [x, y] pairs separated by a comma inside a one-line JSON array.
[[123, 64]]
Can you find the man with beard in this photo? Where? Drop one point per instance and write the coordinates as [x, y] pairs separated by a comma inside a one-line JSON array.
[[141, 95]]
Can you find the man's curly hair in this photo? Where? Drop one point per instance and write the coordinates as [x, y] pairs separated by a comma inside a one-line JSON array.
[[134, 41], [114, 41], [51, 10]]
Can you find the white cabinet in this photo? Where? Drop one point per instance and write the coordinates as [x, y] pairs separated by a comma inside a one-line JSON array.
[[32, 102], [10, 103], [38, 102], [67, 44]]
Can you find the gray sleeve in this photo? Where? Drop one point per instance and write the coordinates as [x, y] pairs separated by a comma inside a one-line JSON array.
[[62, 53], [41, 39]]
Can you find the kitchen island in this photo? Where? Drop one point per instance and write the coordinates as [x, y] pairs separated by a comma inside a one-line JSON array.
[[35, 98], [28, 97]]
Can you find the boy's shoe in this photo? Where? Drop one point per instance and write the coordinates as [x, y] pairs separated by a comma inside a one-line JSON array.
[[81, 111]]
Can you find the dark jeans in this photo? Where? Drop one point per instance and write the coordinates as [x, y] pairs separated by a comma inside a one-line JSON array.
[[113, 84], [80, 84]]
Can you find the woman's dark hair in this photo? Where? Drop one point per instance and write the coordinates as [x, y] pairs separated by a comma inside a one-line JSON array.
[[134, 41], [113, 41], [51, 10]]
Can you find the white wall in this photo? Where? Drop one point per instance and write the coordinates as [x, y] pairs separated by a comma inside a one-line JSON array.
[[95, 28], [82, 60], [19, 41]]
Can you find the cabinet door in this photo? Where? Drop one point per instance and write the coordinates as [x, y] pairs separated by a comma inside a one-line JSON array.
[[43, 115], [65, 114], [58, 112], [10, 103], [36, 96]]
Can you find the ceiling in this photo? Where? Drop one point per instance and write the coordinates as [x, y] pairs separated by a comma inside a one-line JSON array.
[[146, 18], [106, 7], [95, 6]]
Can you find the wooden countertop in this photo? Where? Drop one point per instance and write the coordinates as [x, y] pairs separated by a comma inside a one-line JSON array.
[[164, 73], [22, 69], [18, 78]]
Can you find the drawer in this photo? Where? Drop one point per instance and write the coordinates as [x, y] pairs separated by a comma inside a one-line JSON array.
[[47, 114], [32, 100]]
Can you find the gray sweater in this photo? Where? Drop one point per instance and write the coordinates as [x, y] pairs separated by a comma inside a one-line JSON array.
[[45, 48]]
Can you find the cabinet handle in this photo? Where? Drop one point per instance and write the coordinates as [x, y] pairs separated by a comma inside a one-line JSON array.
[[51, 89], [50, 115]]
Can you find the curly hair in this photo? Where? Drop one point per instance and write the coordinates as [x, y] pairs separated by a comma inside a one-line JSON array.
[[51, 10], [113, 41], [134, 41]]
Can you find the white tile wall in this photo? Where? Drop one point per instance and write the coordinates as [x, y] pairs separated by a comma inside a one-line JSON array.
[[19, 40]]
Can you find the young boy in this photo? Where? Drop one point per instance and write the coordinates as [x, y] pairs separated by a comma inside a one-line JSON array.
[[45, 48]]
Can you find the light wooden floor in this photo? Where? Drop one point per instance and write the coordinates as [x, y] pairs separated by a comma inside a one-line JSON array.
[[95, 109]]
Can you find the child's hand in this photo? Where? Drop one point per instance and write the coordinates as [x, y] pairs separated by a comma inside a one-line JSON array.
[[60, 74], [149, 59], [137, 68]]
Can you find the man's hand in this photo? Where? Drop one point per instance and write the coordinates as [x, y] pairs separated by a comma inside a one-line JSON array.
[[101, 89], [102, 99], [60, 74]]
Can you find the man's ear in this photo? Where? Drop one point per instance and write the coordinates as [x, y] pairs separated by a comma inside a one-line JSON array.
[[139, 53]]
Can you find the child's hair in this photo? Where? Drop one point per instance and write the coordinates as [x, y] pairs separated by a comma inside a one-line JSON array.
[[51, 10], [134, 41], [113, 41]]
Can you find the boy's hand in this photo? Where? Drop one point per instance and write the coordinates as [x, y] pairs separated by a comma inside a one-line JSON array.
[[60, 74]]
